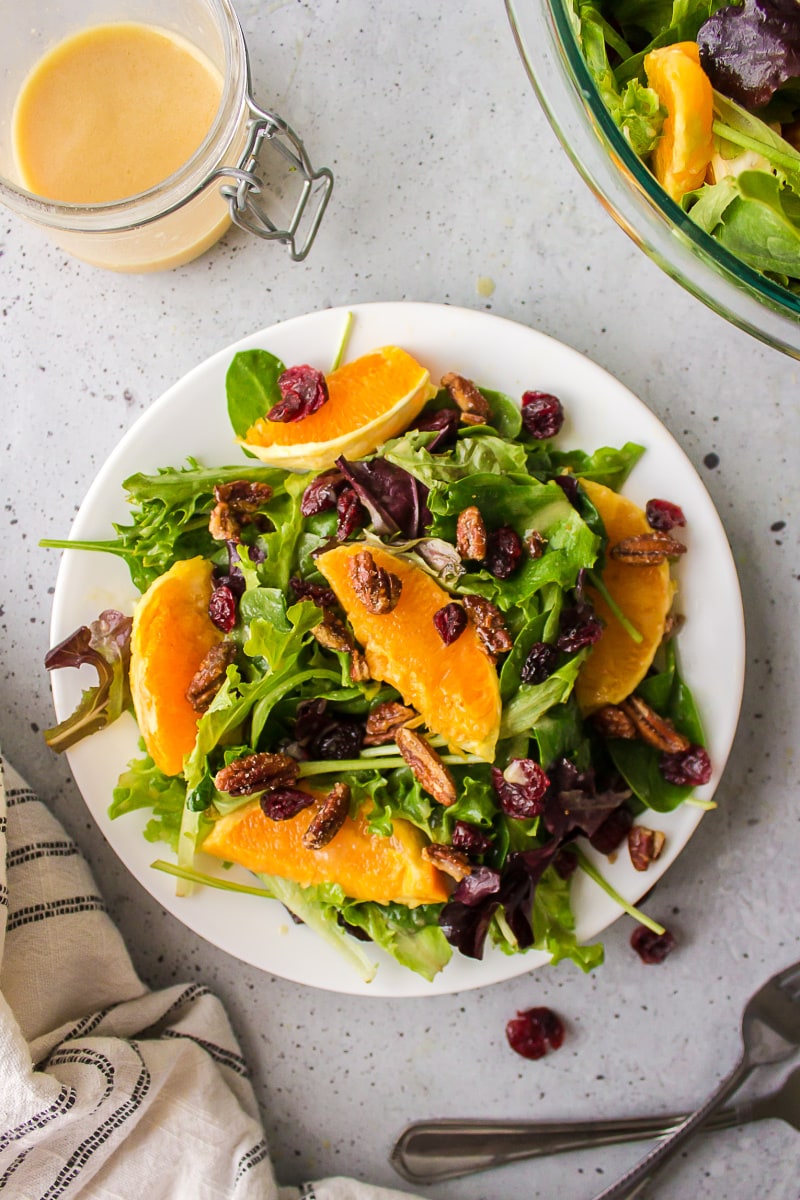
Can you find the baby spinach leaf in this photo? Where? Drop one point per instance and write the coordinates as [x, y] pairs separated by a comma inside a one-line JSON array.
[[251, 387]]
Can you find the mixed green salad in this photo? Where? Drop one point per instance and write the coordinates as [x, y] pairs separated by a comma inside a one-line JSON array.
[[748, 196], [515, 833]]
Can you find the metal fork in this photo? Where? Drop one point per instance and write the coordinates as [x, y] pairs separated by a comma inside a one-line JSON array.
[[432, 1151], [770, 1032]]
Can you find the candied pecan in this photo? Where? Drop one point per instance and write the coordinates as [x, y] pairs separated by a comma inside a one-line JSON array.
[[359, 667], [673, 624], [256, 773], [489, 625], [210, 675], [377, 589], [535, 543], [328, 819], [333, 634], [445, 858], [475, 408], [384, 721], [647, 550], [426, 765], [613, 722], [651, 728], [471, 540], [237, 505], [644, 846]]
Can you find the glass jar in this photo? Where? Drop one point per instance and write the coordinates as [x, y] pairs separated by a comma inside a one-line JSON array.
[[546, 39], [223, 181]]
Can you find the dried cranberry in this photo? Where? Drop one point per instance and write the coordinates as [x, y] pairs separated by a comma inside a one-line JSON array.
[[652, 947], [521, 788], [531, 1032], [503, 552], [303, 390], [613, 831], [663, 515], [282, 804], [444, 423], [311, 719], [352, 514], [450, 622], [580, 626], [322, 493], [222, 608], [341, 739], [469, 838], [304, 589], [542, 414], [569, 486], [540, 663], [686, 768]]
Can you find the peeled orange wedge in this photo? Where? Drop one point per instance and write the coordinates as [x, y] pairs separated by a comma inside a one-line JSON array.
[[683, 152], [370, 399], [171, 635], [365, 865], [617, 663], [454, 688]]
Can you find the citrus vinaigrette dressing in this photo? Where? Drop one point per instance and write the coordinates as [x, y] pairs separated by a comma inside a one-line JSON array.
[[111, 111]]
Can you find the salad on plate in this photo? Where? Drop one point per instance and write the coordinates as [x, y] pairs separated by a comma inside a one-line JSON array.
[[404, 663], [707, 93]]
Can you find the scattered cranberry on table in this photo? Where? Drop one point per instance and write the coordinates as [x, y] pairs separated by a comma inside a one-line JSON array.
[[532, 1032], [650, 946]]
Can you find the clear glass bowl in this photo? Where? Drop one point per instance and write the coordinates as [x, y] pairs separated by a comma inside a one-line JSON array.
[[546, 39]]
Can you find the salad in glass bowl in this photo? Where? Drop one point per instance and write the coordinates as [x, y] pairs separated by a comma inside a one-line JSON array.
[[414, 669]]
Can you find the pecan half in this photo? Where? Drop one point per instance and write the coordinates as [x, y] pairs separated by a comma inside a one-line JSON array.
[[237, 504], [256, 773], [332, 633], [328, 819], [447, 859], [651, 728], [471, 541], [647, 550], [535, 543], [613, 722], [210, 675], [377, 589], [489, 625], [426, 765], [673, 624], [359, 667], [475, 408], [644, 845], [384, 721]]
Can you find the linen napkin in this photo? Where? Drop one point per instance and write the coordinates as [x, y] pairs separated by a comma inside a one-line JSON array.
[[108, 1089]]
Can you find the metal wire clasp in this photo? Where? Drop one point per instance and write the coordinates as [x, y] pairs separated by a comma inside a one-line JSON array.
[[245, 194]]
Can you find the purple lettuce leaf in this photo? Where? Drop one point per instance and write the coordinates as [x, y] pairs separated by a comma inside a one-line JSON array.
[[106, 646], [749, 51], [395, 500], [574, 804]]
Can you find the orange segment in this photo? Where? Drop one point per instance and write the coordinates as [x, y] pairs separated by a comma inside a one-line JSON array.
[[683, 152], [454, 688], [617, 664], [171, 635], [370, 400], [365, 865]]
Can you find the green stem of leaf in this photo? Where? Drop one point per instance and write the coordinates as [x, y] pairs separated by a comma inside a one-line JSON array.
[[340, 353], [765, 149], [192, 876], [388, 762], [636, 913], [596, 581]]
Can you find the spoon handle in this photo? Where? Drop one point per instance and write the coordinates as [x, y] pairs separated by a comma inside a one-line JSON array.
[[431, 1151]]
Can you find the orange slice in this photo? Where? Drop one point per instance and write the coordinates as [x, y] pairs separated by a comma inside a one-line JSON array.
[[454, 688], [365, 865], [683, 152], [171, 635], [371, 399], [617, 664]]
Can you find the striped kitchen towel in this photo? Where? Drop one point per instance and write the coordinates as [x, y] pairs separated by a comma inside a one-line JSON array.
[[109, 1090]]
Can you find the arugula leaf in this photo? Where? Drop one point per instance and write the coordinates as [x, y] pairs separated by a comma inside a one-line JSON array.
[[251, 387], [471, 455], [533, 700], [607, 465]]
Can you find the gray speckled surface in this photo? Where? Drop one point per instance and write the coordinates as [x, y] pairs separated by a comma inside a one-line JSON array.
[[446, 173]]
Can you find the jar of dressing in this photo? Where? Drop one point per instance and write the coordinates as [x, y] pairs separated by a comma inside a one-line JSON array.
[[129, 134]]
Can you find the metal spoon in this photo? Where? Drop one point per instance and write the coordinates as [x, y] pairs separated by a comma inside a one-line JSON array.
[[431, 1151]]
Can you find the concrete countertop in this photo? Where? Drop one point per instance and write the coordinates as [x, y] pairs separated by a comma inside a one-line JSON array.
[[450, 187]]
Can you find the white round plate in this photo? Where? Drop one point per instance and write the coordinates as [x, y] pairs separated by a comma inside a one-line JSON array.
[[191, 419]]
